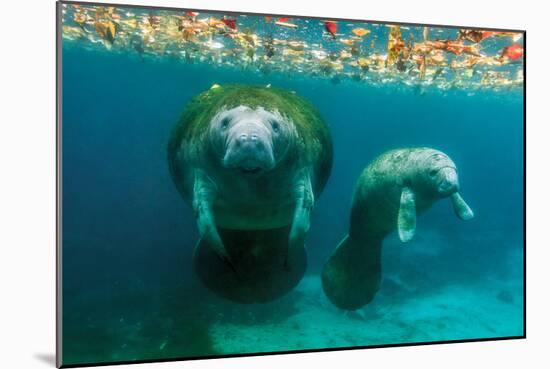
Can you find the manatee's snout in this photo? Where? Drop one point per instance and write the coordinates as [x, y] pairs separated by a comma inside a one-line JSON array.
[[249, 148], [448, 181]]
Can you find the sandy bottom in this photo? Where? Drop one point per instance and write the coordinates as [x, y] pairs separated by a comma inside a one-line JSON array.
[[432, 290], [491, 308]]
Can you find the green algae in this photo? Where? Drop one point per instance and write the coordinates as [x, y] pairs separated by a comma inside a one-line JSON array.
[[192, 127]]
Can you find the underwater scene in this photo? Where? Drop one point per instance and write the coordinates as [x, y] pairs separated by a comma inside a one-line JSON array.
[[240, 184]]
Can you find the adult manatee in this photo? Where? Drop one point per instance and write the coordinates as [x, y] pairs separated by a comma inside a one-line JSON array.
[[250, 161], [389, 194]]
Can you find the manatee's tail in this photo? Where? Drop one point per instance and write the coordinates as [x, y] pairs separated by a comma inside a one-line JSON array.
[[258, 273], [351, 276]]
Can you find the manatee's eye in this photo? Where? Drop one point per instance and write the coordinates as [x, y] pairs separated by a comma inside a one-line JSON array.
[[275, 125], [433, 172], [225, 123]]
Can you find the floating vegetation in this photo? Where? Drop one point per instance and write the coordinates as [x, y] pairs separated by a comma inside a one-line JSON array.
[[367, 52]]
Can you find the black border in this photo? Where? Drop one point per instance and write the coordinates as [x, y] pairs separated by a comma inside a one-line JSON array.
[[58, 236], [58, 182]]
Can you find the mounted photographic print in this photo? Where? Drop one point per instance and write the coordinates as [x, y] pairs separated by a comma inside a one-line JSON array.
[[242, 184]]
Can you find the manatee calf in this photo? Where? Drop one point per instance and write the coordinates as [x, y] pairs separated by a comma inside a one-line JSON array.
[[389, 194], [248, 160]]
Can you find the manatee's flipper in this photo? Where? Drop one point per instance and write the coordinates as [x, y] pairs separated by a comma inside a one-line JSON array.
[[204, 192], [259, 256], [351, 276], [462, 210], [302, 212], [406, 219]]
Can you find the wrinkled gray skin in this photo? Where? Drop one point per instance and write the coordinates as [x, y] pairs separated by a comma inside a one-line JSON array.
[[250, 140], [249, 181], [389, 194], [400, 184]]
